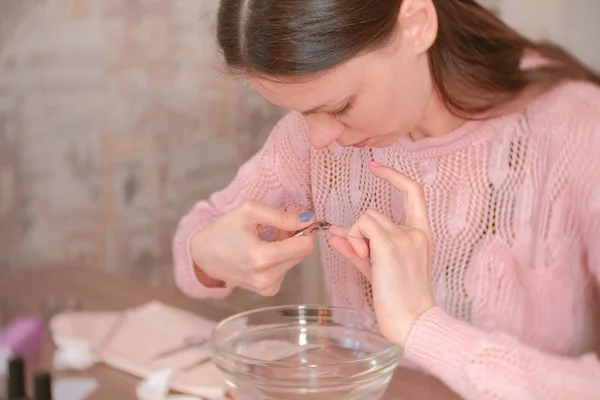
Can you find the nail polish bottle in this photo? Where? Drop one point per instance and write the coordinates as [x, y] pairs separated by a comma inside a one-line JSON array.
[[15, 389], [42, 386], [23, 337]]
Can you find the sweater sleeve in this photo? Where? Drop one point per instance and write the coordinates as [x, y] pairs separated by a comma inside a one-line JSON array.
[[277, 175], [483, 366]]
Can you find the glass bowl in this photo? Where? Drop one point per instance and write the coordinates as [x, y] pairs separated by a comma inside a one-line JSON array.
[[316, 352]]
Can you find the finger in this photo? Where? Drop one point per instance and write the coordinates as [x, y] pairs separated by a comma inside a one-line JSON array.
[[284, 267], [383, 220], [414, 200], [268, 254], [359, 243], [282, 234], [340, 231], [264, 283], [259, 213], [367, 230], [346, 250], [269, 282], [273, 289]]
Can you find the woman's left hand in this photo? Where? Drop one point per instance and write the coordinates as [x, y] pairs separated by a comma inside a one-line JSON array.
[[395, 258]]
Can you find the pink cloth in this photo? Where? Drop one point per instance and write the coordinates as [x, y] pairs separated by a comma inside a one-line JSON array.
[[133, 340], [514, 204]]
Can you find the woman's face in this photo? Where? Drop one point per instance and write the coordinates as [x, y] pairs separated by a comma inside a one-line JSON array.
[[375, 98]]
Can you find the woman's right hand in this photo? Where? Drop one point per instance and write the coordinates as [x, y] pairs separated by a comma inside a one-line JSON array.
[[230, 249]]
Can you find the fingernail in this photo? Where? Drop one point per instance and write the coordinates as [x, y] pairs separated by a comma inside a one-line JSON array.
[[306, 216], [375, 164]]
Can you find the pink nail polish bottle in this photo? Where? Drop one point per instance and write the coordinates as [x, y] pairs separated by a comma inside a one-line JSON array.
[[22, 337]]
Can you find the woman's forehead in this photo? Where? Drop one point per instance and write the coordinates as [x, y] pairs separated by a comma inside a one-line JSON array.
[[323, 89]]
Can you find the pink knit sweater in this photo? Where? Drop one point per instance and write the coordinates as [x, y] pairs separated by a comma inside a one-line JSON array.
[[514, 204]]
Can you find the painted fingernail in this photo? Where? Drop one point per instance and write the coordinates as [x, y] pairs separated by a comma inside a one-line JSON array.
[[306, 216], [375, 164]]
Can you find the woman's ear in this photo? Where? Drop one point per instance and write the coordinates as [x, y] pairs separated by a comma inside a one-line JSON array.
[[418, 23]]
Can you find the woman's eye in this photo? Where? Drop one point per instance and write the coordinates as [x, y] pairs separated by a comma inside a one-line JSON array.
[[343, 112]]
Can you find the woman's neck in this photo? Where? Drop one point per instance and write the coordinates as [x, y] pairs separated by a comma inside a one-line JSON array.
[[437, 120]]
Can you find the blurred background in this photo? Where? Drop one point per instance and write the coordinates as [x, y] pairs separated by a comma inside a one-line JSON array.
[[115, 119]]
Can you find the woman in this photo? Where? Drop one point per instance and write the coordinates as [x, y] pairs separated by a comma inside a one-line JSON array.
[[458, 160]]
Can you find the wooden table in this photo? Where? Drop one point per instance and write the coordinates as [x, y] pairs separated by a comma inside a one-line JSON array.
[[22, 291]]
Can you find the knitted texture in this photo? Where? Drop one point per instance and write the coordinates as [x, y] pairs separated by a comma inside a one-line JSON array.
[[514, 205]]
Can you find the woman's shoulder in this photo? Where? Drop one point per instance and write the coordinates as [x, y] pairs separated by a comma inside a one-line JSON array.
[[290, 132], [293, 122], [564, 122], [567, 114], [567, 102], [291, 125]]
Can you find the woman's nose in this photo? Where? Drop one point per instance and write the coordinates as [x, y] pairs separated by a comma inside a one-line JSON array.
[[323, 130]]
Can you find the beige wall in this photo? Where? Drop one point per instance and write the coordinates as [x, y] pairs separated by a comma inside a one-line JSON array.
[[114, 120], [570, 23], [582, 30]]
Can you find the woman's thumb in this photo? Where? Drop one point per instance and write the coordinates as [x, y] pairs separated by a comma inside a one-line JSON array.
[[280, 219]]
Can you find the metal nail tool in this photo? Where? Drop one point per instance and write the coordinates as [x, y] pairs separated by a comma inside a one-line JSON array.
[[319, 226], [188, 343]]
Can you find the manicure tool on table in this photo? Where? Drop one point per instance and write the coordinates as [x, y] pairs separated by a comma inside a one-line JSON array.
[[319, 226], [188, 343]]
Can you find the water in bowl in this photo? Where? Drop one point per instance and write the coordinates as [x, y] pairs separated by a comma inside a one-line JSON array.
[[310, 362]]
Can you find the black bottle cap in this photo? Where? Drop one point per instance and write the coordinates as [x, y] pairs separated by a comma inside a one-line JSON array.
[[42, 386], [16, 379]]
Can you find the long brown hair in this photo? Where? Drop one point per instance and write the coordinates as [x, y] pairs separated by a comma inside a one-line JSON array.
[[475, 61]]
